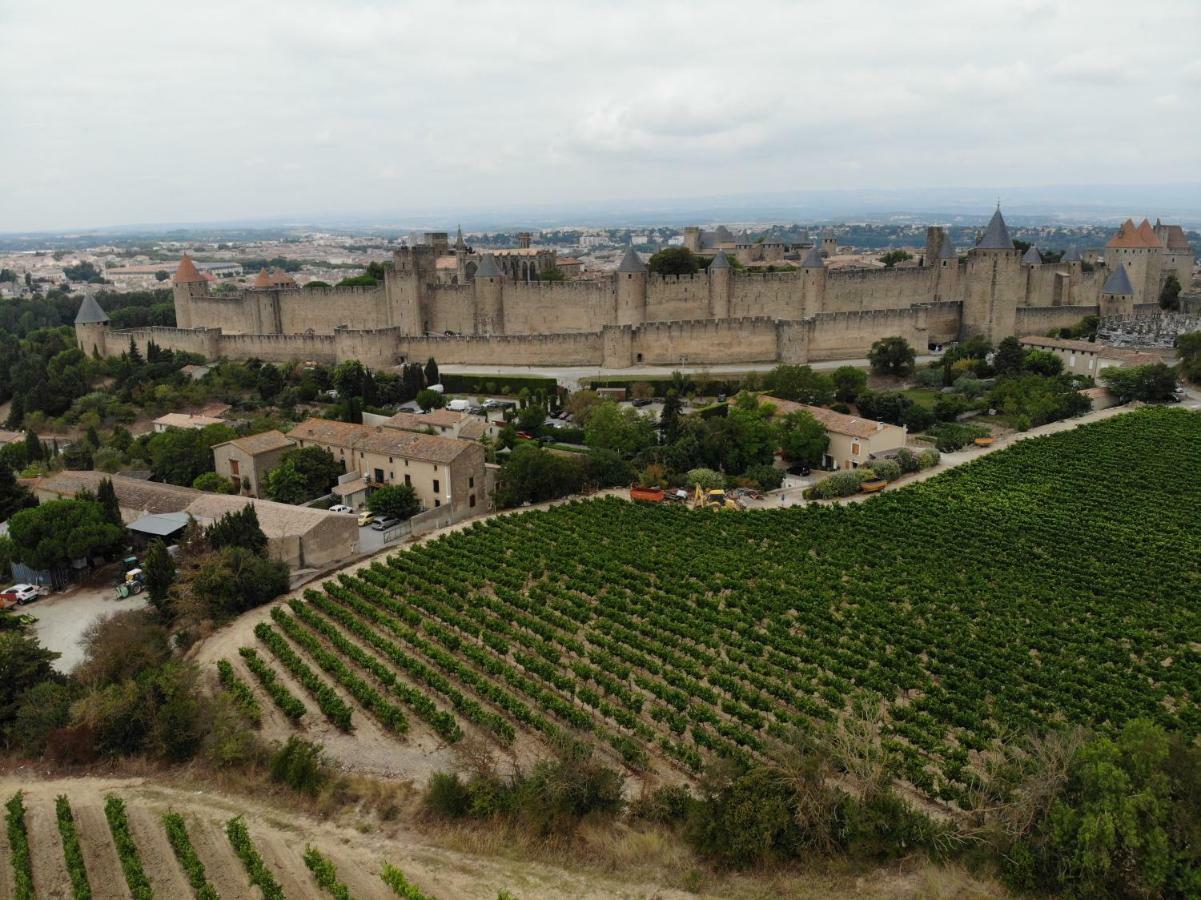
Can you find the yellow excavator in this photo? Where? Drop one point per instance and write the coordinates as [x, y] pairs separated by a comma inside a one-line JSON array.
[[714, 498]]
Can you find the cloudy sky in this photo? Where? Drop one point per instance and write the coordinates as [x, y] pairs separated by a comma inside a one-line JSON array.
[[131, 111]]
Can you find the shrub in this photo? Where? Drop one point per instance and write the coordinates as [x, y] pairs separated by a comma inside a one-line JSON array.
[[952, 436], [301, 765], [18, 846], [193, 868], [213, 483], [917, 418], [841, 484], [71, 849], [127, 850], [665, 805], [907, 460], [928, 458], [706, 478], [886, 469], [768, 477], [447, 796]]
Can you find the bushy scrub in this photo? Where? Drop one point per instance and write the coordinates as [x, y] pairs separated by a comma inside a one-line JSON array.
[[301, 765], [886, 469], [842, 484]]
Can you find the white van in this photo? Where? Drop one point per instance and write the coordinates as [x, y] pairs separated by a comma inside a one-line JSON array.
[[459, 405]]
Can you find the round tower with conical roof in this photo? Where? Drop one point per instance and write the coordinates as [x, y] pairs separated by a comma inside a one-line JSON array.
[[91, 327], [190, 286], [1117, 295], [631, 278], [489, 297], [994, 284], [721, 286], [813, 283], [946, 269]]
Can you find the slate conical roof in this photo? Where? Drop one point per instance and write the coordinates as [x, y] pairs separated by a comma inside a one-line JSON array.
[[1118, 282], [996, 235], [90, 312], [1073, 254], [1031, 257], [488, 267], [947, 250], [631, 262], [813, 260], [187, 273], [720, 261]]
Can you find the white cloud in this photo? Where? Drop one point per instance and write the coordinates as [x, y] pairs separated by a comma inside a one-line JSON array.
[[135, 111]]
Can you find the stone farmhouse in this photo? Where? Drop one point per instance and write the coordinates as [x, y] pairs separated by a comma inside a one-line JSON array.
[[490, 312], [854, 440]]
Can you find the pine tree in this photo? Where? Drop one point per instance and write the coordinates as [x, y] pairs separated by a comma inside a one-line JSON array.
[[160, 574], [135, 355], [106, 495], [34, 451], [93, 437], [431, 372]]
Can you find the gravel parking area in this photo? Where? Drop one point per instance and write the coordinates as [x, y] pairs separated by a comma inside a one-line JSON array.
[[63, 617]]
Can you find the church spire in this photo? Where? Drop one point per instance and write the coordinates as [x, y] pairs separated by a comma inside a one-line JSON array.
[[460, 245]]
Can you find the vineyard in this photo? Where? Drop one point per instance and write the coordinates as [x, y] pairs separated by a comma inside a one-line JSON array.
[[84, 838], [1053, 582]]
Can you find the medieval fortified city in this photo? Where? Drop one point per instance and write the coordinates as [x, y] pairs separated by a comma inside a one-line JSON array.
[[551, 450]]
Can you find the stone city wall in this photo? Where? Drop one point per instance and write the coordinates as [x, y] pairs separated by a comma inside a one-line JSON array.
[[1038, 320], [849, 290]]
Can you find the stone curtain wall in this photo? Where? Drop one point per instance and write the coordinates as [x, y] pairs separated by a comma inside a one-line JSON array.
[[324, 309], [555, 307], [851, 290], [1038, 320]]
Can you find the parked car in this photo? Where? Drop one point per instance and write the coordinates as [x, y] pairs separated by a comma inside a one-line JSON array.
[[366, 518], [642, 401], [19, 594], [384, 524], [342, 508]]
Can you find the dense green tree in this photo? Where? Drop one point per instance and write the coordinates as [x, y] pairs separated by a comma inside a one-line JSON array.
[[60, 531], [848, 382], [802, 438], [214, 483], [353, 380], [884, 406], [428, 399], [892, 257], [179, 455], [238, 529], [431, 372], [24, 664], [1042, 362], [106, 496], [533, 475], [160, 574], [669, 418], [800, 384], [238, 579], [1009, 357], [1188, 349], [674, 261], [891, 356], [581, 403], [607, 468], [303, 474], [14, 496], [1169, 294], [1154, 383], [270, 382], [623, 429], [396, 501], [531, 418]]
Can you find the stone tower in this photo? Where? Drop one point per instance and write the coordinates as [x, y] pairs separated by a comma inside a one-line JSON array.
[[813, 284], [1133, 249], [1117, 296], [721, 286], [489, 297], [828, 245], [190, 286], [994, 284], [936, 236], [91, 327], [692, 238], [631, 279], [946, 269]]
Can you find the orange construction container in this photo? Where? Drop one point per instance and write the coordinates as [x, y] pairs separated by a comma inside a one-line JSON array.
[[649, 495]]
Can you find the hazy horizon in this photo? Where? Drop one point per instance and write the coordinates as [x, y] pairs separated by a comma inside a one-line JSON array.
[[316, 111]]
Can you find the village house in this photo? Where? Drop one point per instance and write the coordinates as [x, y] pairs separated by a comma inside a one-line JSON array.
[[854, 440], [443, 471], [1088, 358], [247, 460], [185, 420]]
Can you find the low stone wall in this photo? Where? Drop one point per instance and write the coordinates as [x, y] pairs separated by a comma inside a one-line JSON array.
[[1038, 320]]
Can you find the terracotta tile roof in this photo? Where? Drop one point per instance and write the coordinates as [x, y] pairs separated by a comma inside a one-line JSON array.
[[346, 488], [187, 273], [272, 279], [1176, 238], [409, 444], [11, 437], [262, 280], [214, 409], [328, 431], [473, 430], [839, 423], [1133, 357], [132, 493], [254, 444], [437, 418], [1147, 233], [1130, 236]]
